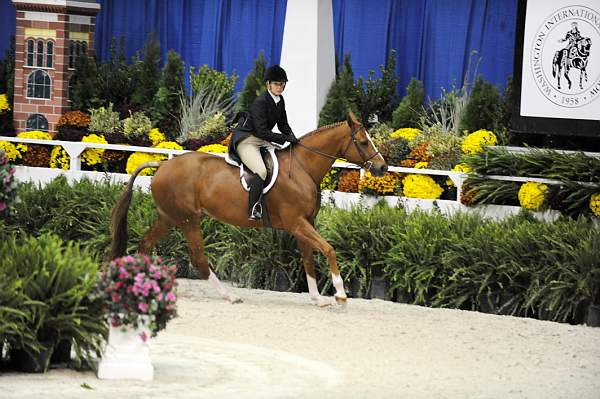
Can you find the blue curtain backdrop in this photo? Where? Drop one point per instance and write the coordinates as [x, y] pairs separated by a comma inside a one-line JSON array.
[[433, 38]]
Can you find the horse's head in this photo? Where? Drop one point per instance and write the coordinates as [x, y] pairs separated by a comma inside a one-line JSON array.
[[361, 150]]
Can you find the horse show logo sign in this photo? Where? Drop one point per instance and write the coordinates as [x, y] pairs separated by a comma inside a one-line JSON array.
[[563, 61]]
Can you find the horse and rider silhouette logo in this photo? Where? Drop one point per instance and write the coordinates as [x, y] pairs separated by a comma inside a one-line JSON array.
[[564, 59], [575, 55]]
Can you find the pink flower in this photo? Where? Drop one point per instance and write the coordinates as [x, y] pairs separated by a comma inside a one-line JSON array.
[[2, 206], [116, 297], [171, 297], [144, 336], [143, 307], [128, 259]]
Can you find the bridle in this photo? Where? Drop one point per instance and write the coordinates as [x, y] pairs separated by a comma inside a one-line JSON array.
[[367, 164]]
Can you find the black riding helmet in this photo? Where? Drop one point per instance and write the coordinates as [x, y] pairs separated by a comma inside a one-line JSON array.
[[275, 73]]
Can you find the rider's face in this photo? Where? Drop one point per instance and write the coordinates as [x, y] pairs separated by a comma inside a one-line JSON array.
[[276, 87]]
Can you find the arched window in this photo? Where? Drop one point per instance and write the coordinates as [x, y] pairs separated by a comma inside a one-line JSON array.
[[37, 122], [38, 84], [49, 54], [30, 52], [39, 59], [76, 49]]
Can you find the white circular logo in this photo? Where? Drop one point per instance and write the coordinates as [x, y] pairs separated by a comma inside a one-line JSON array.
[[565, 56]]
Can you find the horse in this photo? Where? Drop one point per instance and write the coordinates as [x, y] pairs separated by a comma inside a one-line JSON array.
[[192, 185], [575, 56]]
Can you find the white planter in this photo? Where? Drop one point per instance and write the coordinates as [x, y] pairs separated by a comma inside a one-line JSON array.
[[127, 355]]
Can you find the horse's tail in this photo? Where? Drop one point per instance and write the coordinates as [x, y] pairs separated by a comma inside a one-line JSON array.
[[119, 214]]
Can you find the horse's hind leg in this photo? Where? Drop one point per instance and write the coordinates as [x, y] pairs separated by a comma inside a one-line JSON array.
[[311, 277], [193, 235], [157, 231]]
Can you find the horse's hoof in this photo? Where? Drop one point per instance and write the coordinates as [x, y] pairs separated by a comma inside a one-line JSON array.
[[235, 299], [341, 301], [321, 301]]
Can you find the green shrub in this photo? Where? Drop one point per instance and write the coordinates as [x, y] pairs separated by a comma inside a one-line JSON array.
[[483, 108], [341, 97], [166, 108], [254, 84], [146, 74], [215, 82], [380, 133], [137, 125], [395, 150], [410, 111], [104, 120], [57, 295], [378, 96]]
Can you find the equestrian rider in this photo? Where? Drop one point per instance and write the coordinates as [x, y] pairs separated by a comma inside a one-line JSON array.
[[254, 131], [572, 36]]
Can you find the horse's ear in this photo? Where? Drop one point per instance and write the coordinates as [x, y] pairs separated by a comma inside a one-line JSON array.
[[351, 119]]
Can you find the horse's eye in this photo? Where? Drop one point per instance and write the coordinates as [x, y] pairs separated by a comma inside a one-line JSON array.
[[363, 143]]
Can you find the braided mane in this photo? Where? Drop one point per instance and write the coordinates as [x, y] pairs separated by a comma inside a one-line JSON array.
[[320, 129]]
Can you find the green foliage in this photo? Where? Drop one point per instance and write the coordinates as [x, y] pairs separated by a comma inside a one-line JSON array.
[[506, 107], [518, 266], [166, 109], [215, 82], [444, 148], [253, 84], [205, 107], [85, 88], [395, 150], [378, 96], [104, 120], [341, 97], [148, 74], [137, 125], [380, 133], [410, 111], [483, 108], [54, 284], [7, 83]]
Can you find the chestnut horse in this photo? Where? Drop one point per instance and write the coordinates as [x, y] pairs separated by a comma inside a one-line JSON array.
[[188, 186]]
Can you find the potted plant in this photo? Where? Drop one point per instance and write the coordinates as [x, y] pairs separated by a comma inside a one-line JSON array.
[[139, 294]]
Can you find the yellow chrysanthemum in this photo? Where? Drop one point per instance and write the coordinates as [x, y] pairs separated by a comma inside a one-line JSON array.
[[216, 148], [12, 153], [595, 204], [407, 133], [421, 165], [138, 158], [169, 145], [386, 184], [93, 156], [34, 134], [475, 142], [531, 195], [421, 186], [329, 181], [461, 167], [4, 105], [59, 158], [156, 136]]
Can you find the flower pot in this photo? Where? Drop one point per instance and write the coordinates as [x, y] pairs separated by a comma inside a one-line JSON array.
[[592, 318], [34, 362], [127, 355]]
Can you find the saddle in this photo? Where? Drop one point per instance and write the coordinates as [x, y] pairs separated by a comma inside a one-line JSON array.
[[271, 163]]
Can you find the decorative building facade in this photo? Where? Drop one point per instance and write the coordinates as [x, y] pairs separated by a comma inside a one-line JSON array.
[[50, 35]]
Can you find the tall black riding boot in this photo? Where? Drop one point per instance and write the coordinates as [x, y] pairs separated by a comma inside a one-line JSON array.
[[255, 197]]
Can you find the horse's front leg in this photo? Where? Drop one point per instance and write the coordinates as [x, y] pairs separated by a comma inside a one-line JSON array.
[[311, 276], [307, 235]]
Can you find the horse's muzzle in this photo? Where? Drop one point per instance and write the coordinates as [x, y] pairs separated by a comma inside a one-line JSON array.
[[379, 170]]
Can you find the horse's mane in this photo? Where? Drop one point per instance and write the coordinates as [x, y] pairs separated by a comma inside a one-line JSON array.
[[326, 127]]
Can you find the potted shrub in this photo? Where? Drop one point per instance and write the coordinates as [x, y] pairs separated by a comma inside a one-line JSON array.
[[139, 295]]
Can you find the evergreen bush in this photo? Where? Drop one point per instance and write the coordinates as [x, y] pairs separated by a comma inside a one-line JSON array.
[[166, 109], [483, 109], [410, 111], [104, 120], [341, 97], [147, 74], [254, 84]]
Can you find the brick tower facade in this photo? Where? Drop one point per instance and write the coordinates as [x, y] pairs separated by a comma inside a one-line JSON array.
[[50, 35]]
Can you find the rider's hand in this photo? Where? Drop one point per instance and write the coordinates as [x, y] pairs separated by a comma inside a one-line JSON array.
[[292, 139]]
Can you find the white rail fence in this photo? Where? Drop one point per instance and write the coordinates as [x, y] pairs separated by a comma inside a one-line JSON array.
[[74, 173]]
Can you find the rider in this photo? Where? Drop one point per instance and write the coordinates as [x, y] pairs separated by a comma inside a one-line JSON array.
[[254, 131], [572, 36]]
